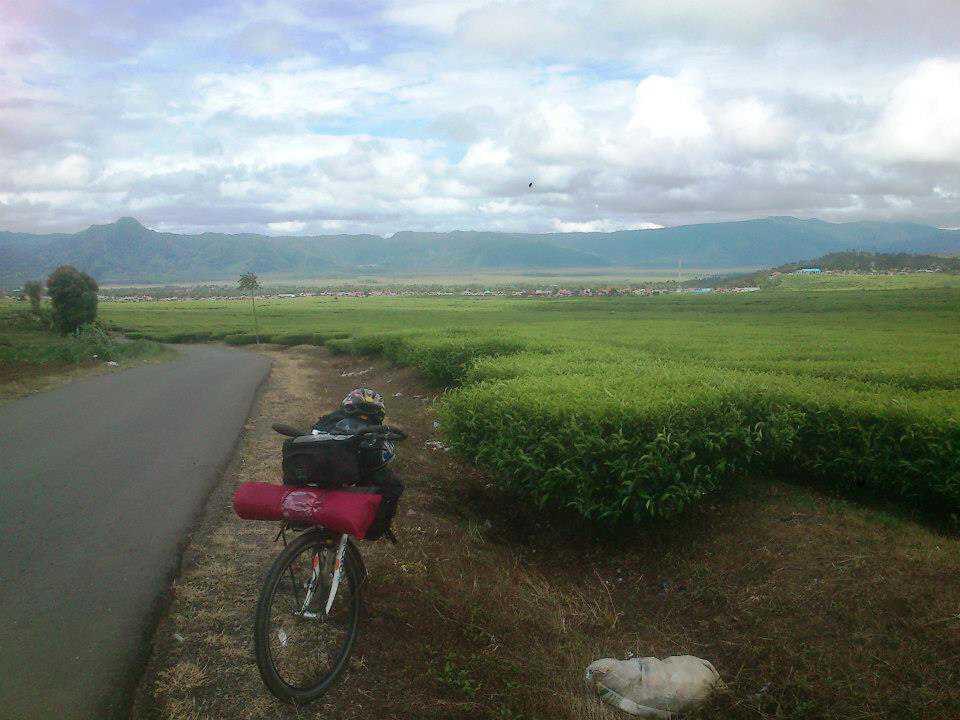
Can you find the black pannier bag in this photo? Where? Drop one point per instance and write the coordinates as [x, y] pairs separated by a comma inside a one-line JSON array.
[[323, 460], [333, 461], [334, 456]]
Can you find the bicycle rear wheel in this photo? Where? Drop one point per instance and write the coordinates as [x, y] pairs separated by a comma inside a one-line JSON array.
[[300, 648]]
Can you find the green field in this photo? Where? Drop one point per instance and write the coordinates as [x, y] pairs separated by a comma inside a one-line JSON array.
[[29, 347], [625, 408], [905, 281]]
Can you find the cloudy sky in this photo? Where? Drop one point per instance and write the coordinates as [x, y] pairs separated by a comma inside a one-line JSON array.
[[320, 117]]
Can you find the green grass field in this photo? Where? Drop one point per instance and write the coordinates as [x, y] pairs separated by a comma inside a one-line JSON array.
[[28, 348], [909, 281], [626, 408]]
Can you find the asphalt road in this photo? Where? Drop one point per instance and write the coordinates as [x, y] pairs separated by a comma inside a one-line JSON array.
[[100, 481]]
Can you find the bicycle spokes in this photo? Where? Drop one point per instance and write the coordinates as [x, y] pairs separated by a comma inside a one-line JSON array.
[[311, 615]]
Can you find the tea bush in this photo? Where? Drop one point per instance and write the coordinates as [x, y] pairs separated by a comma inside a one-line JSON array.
[[243, 339], [630, 408], [444, 360], [620, 448], [291, 339], [183, 337]]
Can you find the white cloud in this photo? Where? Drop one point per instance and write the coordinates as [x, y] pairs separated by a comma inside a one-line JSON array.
[[70, 172], [436, 15], [897, 202], [552, 131], [668, 109], [437, 115], [600, 225], [293, 89], [503, 207], [484, 155], [754, 126], [286, 227], [921, 122]]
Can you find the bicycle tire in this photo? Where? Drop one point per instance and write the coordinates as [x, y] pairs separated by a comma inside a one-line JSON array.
[[272, 677]]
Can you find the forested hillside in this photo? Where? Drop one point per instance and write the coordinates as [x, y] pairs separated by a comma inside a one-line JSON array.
[[126, 251]]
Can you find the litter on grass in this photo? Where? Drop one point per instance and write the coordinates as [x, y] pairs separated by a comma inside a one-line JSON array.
[[652, 688], [355, 373]]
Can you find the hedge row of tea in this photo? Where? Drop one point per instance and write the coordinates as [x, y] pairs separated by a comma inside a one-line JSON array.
[[625, 409], [238, 338], [626, 440]]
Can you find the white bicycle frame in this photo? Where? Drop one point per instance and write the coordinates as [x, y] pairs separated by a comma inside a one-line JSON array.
[[334, 583]]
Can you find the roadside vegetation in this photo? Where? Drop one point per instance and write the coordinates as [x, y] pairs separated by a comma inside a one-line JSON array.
[[626, 409], [41, 342], [811, 607]]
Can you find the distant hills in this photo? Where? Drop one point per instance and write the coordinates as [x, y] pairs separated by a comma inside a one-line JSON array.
[[845, 261], [126, 251]]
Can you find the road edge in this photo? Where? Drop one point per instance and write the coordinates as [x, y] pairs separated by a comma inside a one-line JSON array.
[[131, 688]]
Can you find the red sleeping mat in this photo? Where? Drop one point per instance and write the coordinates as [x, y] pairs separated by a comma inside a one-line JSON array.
[[339, 511]]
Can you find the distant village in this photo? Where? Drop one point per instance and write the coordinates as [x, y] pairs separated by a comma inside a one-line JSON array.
[[543, 293], [733, 284], [709, 285]]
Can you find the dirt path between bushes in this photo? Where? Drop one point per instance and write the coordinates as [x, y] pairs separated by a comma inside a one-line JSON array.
[[808, 606]]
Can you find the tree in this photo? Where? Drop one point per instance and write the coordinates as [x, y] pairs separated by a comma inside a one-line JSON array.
[[250, 283], [33, 291], [73, 295]]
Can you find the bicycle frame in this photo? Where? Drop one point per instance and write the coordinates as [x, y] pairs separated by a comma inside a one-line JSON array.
[[345, 546], [337, 571], [334, 583]]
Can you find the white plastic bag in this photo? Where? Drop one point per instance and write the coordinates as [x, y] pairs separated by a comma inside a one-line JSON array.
[[653, 688]]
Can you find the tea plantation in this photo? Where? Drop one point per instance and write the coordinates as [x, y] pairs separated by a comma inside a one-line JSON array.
[[636, 407]]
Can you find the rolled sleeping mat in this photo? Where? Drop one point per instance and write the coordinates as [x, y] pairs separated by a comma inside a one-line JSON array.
[[340, 511]]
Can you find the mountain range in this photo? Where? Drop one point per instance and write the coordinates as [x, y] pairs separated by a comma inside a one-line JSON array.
[[126, 251]]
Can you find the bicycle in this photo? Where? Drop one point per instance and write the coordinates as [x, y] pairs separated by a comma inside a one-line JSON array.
[[307, 614]]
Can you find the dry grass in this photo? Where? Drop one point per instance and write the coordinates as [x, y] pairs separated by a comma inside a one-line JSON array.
[[809, 607], [18, 380]]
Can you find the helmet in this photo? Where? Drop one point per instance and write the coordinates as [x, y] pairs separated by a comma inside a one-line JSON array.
[[364, 401]]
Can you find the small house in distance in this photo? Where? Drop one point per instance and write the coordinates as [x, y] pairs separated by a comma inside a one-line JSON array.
[[808, 271]]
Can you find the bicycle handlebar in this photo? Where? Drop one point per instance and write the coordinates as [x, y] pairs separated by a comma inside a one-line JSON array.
[[288, 430], [387, 432]]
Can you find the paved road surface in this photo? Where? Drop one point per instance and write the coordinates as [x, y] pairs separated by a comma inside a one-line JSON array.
[[100, 480]]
